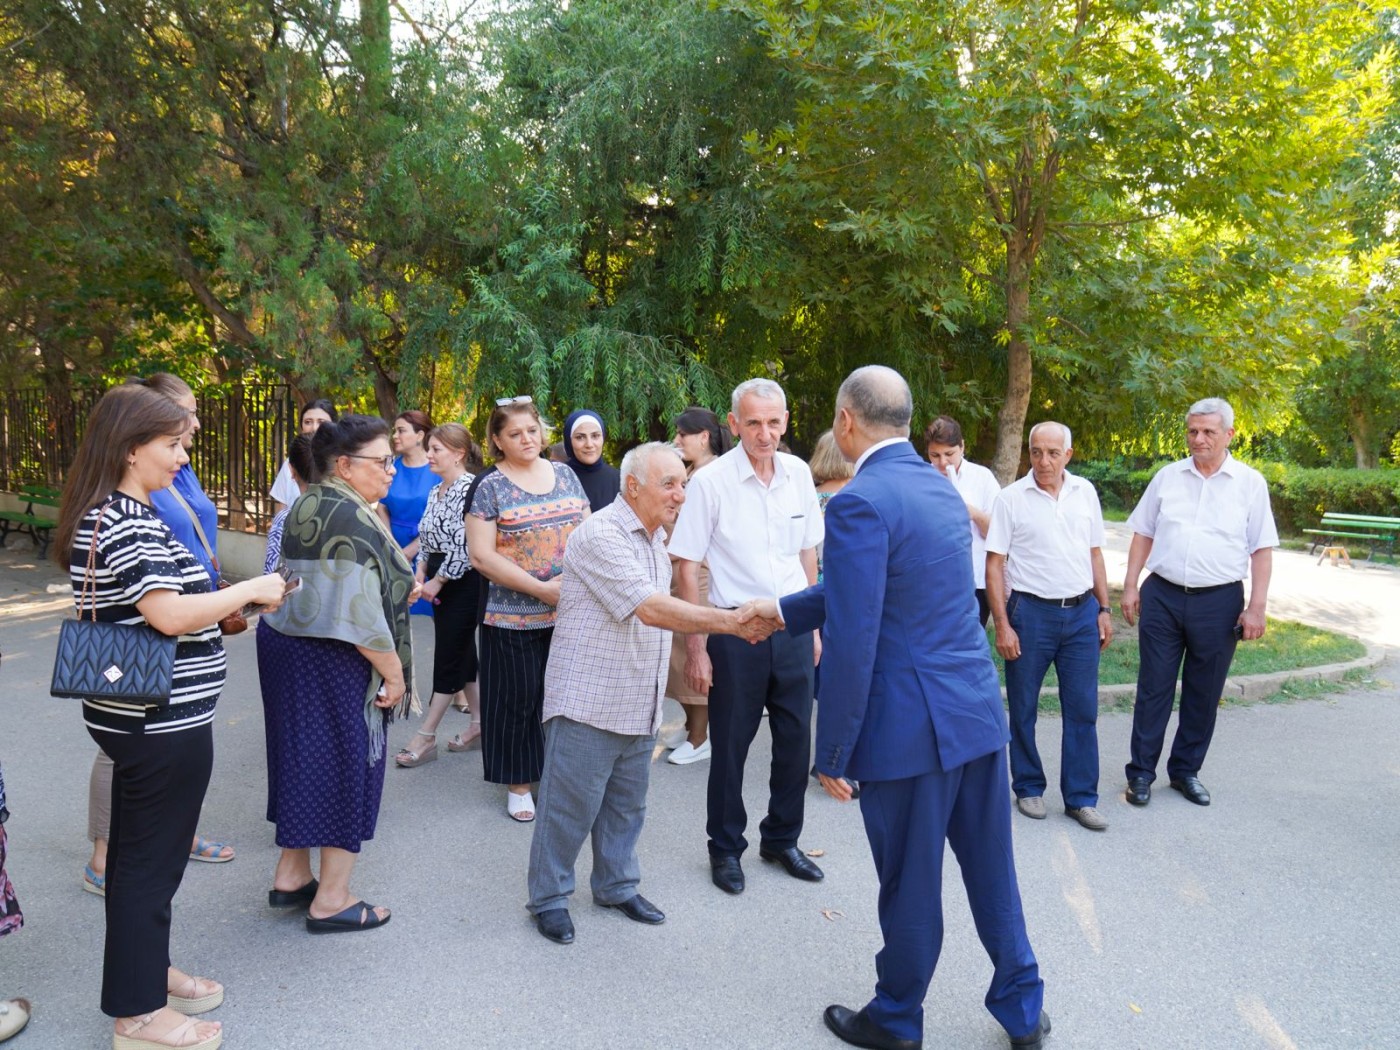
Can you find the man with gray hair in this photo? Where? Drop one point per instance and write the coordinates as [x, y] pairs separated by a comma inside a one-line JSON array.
[[1203, 524], [1045, 545], [603, 690], [752, 515]]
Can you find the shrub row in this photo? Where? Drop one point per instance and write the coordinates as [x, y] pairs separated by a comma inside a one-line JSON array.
[[1300, 495]]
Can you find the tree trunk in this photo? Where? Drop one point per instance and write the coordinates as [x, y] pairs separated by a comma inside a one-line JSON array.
[[1011, 420], [1363, 440]]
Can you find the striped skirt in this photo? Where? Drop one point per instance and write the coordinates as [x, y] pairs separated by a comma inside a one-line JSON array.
[[512, 702]]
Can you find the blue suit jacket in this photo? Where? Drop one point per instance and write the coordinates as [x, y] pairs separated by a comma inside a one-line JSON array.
[[908, 686]]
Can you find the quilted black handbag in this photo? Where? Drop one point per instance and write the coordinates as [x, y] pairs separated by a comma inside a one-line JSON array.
[[132, 663]]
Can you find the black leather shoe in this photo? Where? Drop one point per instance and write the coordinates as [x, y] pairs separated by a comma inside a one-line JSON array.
[[639, 909], [1139, 791], [1036, 1039], [556, 925], [726, 873], [1193, 789], [859, 1030], [795, 862]]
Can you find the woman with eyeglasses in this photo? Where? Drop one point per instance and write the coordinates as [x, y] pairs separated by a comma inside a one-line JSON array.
[[517, 525], [335, 662]]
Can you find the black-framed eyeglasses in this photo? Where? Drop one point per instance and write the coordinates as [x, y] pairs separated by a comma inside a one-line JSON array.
[[521, 399], [387, 462]]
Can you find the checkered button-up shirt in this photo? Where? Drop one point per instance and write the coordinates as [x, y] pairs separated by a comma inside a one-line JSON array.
[[606, 668]]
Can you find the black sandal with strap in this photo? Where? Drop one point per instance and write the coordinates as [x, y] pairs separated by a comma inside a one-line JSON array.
[[359, 916]]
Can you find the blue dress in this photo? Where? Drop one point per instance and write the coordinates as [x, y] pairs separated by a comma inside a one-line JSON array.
[[406, 501], [168, 510]]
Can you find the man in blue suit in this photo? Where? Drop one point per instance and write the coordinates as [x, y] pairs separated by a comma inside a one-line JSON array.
[[909, 706]]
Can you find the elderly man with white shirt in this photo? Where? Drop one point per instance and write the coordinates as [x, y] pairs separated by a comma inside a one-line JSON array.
[[1045, 545], [1203, 524], [752, 516], [943, 440]]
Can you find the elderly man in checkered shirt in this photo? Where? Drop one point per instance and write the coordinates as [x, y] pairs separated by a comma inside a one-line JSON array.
[[604, 687]]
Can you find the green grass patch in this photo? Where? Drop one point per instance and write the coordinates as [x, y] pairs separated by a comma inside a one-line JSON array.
[[1286, 646]]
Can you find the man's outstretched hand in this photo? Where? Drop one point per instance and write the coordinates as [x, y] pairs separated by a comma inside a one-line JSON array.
[[757, 619]]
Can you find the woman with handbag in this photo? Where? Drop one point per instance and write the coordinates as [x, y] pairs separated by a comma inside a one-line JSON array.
[[334, 662], [127, 568], [452, 585], [193, 520]]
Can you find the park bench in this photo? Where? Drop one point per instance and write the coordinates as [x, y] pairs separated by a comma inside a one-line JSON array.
[[1377, 532], [28, 523]]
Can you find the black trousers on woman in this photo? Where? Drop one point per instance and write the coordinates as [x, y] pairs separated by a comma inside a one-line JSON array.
[[158, 786], [512, 703], [455, 620]]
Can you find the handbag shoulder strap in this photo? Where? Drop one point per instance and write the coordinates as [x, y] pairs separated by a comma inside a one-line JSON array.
[[198, 528], [90, 575]]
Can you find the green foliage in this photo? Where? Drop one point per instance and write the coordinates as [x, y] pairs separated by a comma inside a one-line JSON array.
[[1299, 495]]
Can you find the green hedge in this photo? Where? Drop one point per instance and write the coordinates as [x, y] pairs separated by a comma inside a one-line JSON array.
[[1300, 495]]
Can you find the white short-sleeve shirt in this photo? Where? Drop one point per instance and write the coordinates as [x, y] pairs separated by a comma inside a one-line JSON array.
[[978, 487], [1047, 541], [749, 533], [1203, 529], [284, 487]]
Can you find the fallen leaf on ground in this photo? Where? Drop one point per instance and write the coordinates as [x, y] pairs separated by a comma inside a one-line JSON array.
[[816, 853], [832, 914]]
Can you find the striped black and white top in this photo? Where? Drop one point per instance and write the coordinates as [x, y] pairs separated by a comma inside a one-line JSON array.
[[137, 554]]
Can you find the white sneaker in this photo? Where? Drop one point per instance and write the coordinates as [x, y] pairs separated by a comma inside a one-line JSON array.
[[671, 739], [688, 753]]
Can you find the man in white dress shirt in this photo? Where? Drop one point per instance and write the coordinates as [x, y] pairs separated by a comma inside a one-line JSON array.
[[943, 440], [1045, 545], [752, 515], [1203, 524]]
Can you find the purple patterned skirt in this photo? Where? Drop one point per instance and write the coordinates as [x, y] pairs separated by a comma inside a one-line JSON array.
[[11, 918]]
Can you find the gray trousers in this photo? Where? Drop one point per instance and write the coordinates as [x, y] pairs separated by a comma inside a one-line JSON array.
[[593, 782]]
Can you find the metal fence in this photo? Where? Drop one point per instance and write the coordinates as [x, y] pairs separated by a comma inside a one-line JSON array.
[[243, 439]]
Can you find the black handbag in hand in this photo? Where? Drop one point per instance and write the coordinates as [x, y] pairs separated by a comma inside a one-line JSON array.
[[130, 663]]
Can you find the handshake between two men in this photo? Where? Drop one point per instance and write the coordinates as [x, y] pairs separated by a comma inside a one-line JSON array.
[[756, 619]]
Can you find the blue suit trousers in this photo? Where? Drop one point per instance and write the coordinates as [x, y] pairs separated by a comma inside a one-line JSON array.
[[907, 822]]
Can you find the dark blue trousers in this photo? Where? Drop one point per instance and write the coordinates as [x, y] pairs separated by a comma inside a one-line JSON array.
[[1069, 639], [907, 822], [776, 675], [1191, 635]]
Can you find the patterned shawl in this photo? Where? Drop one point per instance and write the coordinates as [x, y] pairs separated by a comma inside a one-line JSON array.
[[355, 586]]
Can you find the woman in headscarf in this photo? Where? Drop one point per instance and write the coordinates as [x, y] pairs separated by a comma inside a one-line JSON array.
[[584, 435], [336, 661]]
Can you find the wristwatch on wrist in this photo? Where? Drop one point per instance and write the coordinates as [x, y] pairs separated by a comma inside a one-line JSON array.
[[1104, 609]]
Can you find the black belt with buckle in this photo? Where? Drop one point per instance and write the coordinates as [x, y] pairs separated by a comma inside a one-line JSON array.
[[1198, 590], [1063, 603]]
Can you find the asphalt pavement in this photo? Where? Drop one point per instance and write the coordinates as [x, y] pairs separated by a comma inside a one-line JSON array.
[[1267, 920]]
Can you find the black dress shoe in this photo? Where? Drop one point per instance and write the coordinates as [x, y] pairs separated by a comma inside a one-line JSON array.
[[639, 909], [796, 863], [726, 873], [1139, 791], [556, 925], [1036, 1039], [859, 1030], [1193, 789]]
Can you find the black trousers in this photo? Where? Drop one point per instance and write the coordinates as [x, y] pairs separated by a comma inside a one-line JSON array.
[[454, 633], [512, 703], [158, 786], [1191, 635], [777, 675]]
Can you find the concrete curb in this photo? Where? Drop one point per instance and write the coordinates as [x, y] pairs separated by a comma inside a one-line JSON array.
[[1249, 686]]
